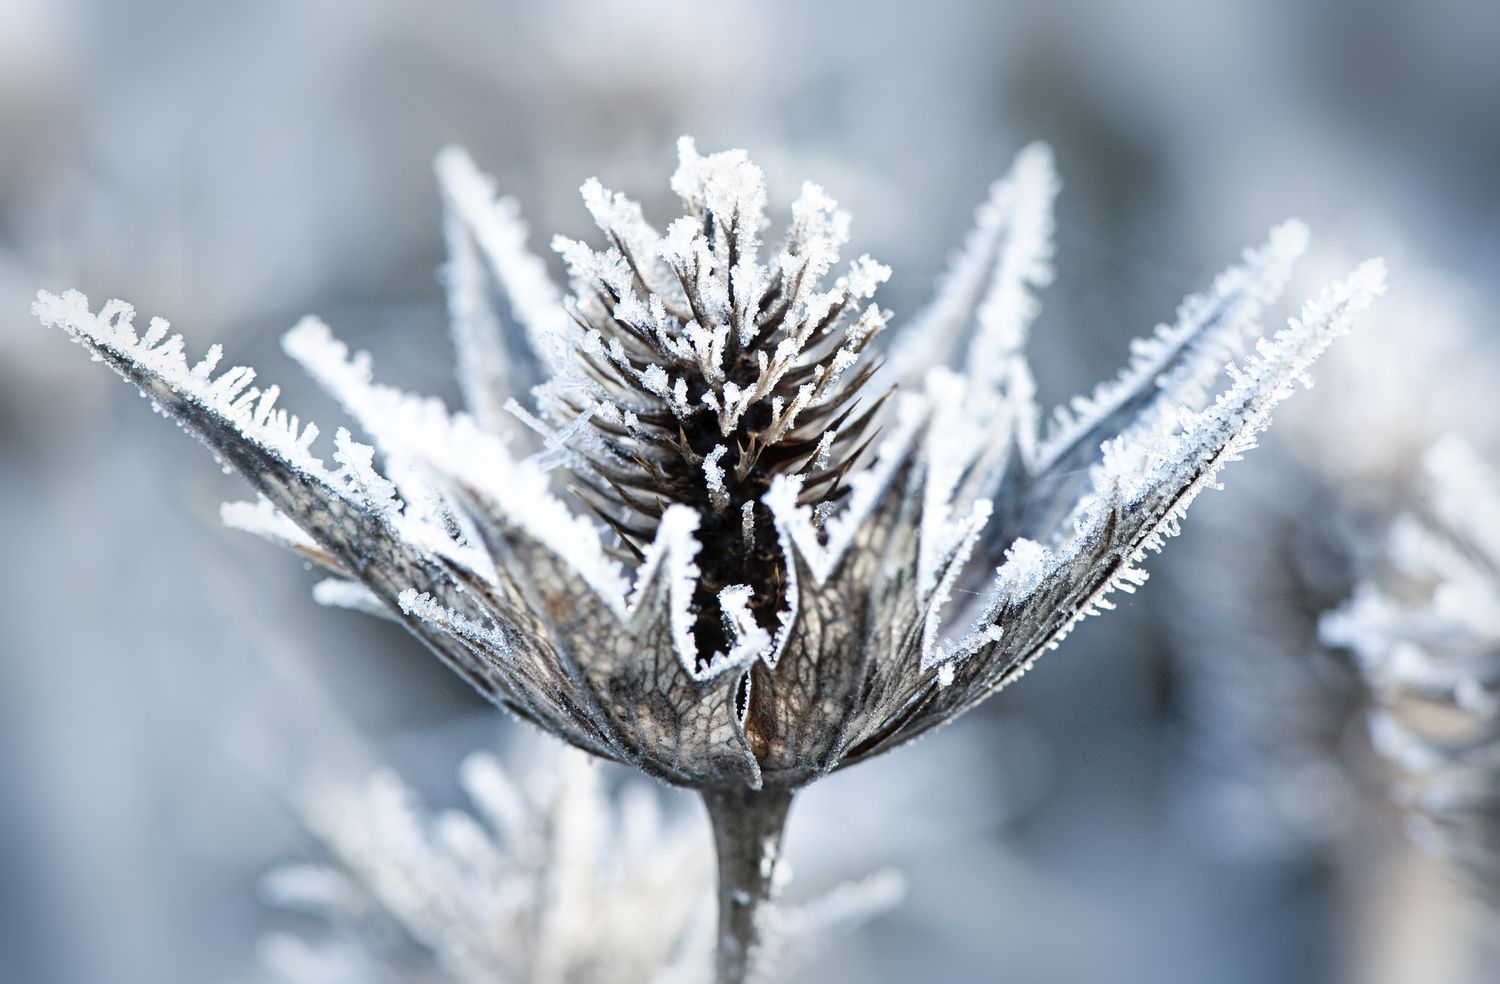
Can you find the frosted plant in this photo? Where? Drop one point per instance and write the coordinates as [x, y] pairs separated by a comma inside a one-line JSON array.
[[754, 587], [545, 882], [1424, 626]]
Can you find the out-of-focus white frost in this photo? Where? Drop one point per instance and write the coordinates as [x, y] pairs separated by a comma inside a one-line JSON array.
[[549, 878], [1424, 626], [548, 881]]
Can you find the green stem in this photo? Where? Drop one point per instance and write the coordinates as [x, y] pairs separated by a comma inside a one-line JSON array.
[[747, 825]]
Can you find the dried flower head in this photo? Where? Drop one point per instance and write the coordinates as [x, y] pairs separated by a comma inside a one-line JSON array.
[[753, 592]]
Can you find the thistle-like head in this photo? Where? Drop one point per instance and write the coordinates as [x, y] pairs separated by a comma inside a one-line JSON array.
[[702, 372], [749, 582]]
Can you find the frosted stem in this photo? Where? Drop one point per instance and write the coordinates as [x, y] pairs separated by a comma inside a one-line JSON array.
[[747, 824]]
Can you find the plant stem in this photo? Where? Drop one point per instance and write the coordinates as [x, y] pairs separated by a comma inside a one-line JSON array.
[[747, 825]]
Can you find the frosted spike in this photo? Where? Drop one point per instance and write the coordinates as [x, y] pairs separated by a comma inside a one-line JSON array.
[[1173, 367], [501, 236]]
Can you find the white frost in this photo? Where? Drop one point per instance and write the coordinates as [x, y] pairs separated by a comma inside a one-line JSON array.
[[501, 235]]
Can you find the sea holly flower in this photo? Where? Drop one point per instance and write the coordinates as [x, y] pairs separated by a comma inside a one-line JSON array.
[[692, 520]]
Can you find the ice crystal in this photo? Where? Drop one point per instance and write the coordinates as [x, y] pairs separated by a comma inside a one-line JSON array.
[[1425, 628]]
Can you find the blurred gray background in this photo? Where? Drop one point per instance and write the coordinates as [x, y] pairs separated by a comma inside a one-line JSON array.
[[166, 686]]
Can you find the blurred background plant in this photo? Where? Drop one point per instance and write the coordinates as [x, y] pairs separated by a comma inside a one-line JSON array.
[[543, 881], [1424, 627], [1277, 716], [549, 880], [235, 166]]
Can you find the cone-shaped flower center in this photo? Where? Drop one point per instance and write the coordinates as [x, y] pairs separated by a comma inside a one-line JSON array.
[[704, 374]]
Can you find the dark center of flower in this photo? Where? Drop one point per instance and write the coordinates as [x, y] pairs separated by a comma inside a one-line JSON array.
[[703, 375]]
